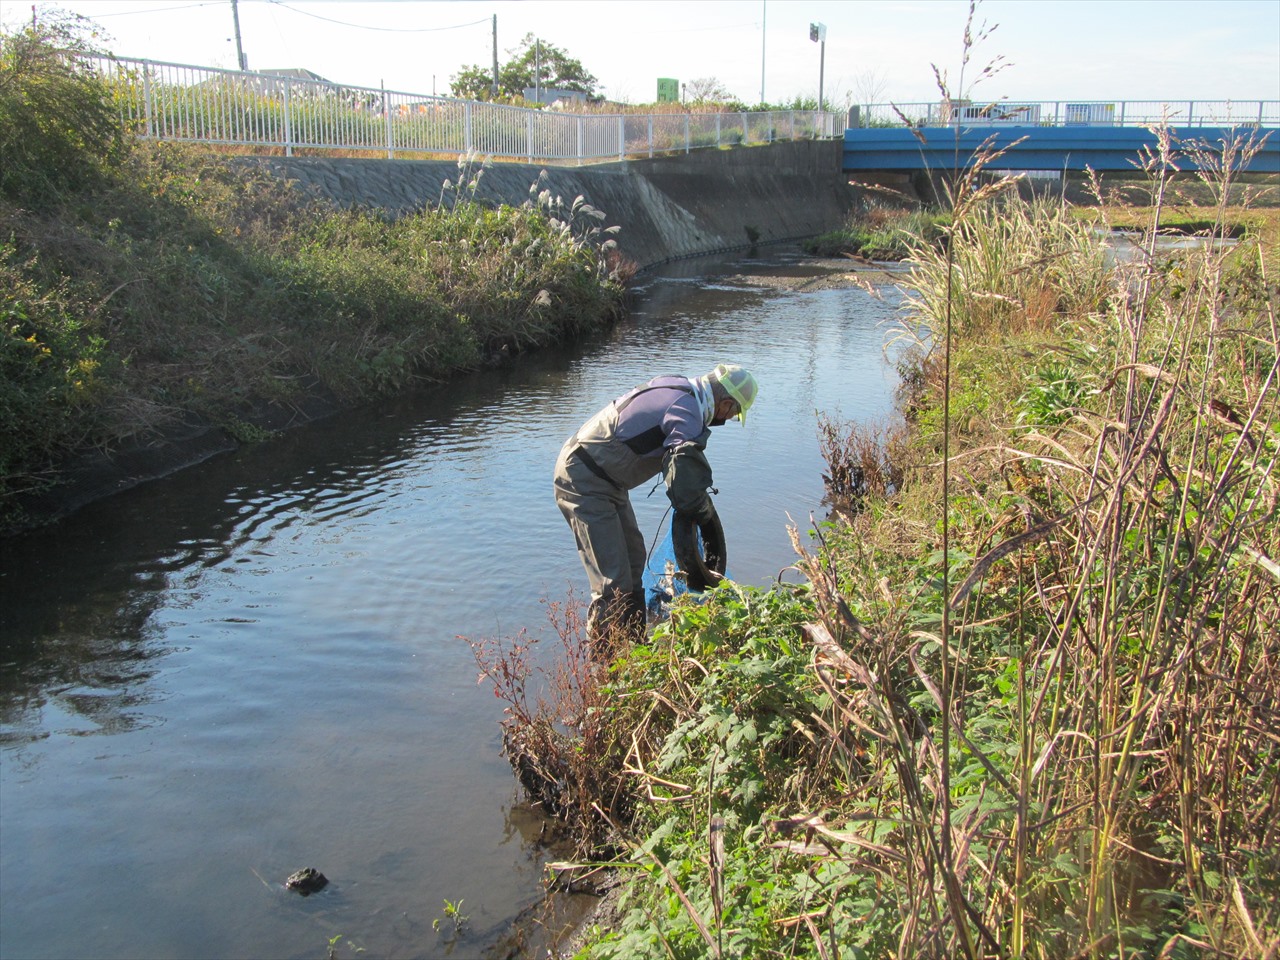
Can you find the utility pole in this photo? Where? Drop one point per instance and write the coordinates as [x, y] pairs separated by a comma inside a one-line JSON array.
[[235, 15], [494, 89]]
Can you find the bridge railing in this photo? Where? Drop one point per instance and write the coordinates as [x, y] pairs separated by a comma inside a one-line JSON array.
[[1060, 113], [171, 101]]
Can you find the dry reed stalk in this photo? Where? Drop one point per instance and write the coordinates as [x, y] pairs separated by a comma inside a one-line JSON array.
[[556, 732], [1148, 706]]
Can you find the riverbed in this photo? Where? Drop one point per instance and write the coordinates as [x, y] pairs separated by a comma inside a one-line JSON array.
[[260, 664]]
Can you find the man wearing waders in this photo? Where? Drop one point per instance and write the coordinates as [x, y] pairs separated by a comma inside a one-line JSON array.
[[661, 426]]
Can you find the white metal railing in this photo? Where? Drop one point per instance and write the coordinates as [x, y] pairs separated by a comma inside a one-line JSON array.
[[170, 101], [1056, 113]]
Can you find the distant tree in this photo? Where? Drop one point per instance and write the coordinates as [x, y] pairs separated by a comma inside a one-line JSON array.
[[869, 86], [472, 83], [553, 67], [707, 90]]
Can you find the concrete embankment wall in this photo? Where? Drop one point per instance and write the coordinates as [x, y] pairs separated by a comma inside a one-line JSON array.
[[669, 208]]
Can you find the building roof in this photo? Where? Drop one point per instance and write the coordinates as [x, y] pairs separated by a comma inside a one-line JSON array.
[[294, 73]]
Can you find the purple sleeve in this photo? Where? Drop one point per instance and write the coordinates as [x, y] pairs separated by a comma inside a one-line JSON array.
[[658, 417], [683, 422]]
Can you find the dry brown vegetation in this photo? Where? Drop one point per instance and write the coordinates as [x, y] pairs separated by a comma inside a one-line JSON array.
[[1028, 702]]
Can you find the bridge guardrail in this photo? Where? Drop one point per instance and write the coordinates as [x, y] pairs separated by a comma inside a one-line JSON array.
[[1058, 113], [171, 101]]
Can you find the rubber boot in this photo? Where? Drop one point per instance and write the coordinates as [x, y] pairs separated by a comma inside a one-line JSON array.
[[635, 618], [604, 619], [598, 618], [616, 620]]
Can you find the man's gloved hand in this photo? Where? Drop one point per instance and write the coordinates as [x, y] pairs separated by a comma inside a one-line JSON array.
[[701, 513], [688, 476]]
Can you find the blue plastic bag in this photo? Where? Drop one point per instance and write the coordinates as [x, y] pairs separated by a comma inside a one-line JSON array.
[[663, 581]]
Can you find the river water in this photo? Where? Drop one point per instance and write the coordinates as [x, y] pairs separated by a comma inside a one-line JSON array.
[[254, 666]]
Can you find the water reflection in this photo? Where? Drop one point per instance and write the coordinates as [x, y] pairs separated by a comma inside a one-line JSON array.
[[266, 648]]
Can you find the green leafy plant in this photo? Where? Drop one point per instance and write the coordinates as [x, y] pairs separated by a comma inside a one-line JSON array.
[[59, 130], [247, 432], [453, 918], [881, 232], [1053, 397], [335, 941]]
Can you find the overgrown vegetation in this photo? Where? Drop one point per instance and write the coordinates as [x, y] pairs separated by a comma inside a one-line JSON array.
[[144, 285], [882, 231], [887, 225], [1028, 701], [58, 132]]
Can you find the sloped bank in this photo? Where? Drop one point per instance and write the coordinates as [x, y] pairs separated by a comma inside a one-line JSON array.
[[669, 208]]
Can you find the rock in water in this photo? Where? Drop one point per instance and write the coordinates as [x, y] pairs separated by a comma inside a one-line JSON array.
[[307, 881]]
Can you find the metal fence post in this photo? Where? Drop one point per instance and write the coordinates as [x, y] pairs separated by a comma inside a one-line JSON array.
[[386, 117], [686, 133], [529, 127], [581, 148], [651, 136], [1191, 109], [622, 137], [146, 100], [718, 129], [466, 127], [288, 123]]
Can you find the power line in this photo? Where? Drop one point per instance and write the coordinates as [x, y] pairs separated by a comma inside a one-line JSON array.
[[361, 26], [279, 3], [664, 31], [131, 13]]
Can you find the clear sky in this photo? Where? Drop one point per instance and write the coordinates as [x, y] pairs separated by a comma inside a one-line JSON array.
[[1167, 50]]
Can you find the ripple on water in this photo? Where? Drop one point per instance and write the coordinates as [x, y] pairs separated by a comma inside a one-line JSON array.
[[256, 666]]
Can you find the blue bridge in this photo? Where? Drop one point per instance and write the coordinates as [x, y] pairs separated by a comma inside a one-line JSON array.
[[1061, 137]]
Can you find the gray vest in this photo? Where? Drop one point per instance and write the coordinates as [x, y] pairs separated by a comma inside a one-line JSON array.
[[626, 463]]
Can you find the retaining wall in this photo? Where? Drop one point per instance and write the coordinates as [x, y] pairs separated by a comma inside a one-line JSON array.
[[669, 208]]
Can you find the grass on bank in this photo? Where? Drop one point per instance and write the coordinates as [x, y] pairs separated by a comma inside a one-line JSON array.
[[1028, 701], [145, 285], [887, 225], [881, 231]]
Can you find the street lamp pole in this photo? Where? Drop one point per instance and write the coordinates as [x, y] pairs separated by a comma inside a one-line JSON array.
[[818, 34], [764, 12]]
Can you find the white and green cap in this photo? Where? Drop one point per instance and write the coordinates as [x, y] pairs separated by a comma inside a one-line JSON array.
[[739, 384]]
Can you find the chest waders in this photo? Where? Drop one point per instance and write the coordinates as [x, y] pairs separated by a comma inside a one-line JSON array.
[[595, 470]]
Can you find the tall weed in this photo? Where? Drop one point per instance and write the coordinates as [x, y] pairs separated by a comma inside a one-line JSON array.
[[59, 130], [1099, 691]]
